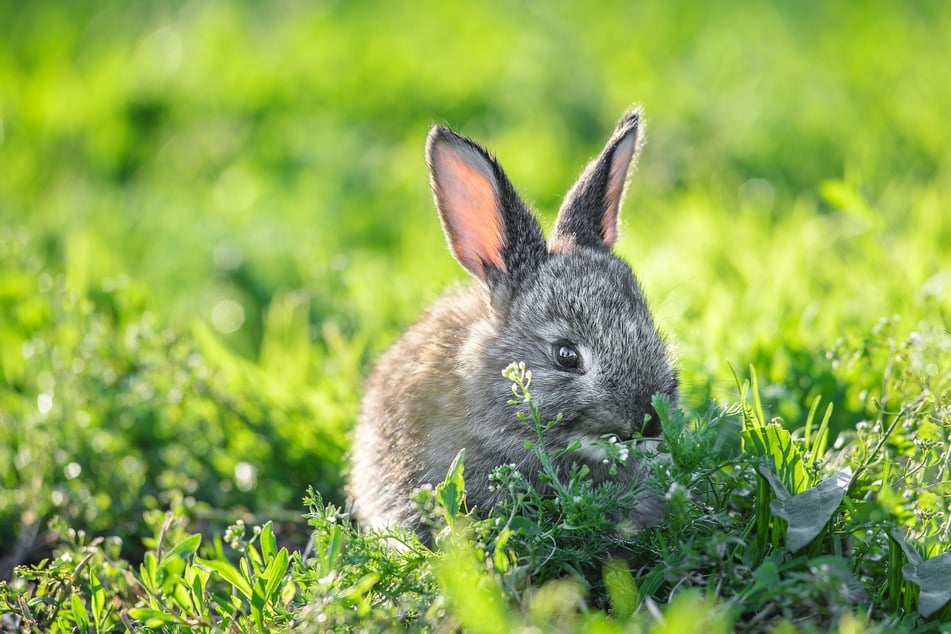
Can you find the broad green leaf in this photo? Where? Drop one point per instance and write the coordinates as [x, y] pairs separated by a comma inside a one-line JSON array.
[[773, 442], [227, 572], [268, 542], [197, 579], [80, 615], [181, 595], [933, 577], [807, 514], [289, 592], [622, 589], [523, 526], [275, 572], [170, 573], [767, 575], [147, 571], [257, 610], [153, 618], [450, 495], [257, 562], [182, 549], [451, 491]]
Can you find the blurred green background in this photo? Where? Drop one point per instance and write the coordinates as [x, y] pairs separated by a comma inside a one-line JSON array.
[[214, 215]]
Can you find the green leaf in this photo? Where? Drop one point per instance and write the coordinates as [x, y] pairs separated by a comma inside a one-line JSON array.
[[257, 611], [450, 496], [933, 577], [767, 574], [227, 572], [254, 557], [289, 592], [181, 594], [97, 601], [245, 567], [807, 513], [197, 580], [329, 549], [153, 618], [524, 526], [500, 558], [268, 541], [451, 491], [773, 442], [147, 571], [182, 549], [275, 572], [80, 615], [170, 573], [621, 587]]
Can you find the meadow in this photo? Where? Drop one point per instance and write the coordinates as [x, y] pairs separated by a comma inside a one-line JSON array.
[[214, 216]]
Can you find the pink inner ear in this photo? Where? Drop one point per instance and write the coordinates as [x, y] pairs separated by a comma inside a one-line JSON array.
[[467, 200], [620, 162]]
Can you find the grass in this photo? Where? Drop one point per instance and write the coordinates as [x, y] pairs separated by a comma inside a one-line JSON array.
[[211, 221]]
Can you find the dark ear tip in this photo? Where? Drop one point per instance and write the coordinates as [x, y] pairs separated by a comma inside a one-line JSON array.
[[443, 136], [437, 134], [629, 121]]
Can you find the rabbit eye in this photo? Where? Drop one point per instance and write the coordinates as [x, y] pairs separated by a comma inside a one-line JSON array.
[[566, 356]]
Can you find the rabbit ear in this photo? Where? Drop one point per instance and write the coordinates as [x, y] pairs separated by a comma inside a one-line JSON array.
[[489, 229], [589, 215]]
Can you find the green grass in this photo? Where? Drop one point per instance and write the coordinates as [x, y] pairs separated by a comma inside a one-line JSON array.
[[214, 216]]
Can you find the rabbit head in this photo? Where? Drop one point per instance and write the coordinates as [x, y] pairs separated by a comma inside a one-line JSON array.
[[570, 309]]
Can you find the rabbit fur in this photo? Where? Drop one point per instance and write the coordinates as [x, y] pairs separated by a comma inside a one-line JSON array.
[[440, 388]]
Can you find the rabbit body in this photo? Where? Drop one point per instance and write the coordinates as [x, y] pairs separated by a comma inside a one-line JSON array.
[[570, 309]]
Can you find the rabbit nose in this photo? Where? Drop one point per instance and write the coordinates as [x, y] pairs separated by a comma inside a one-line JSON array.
[[640, 424]]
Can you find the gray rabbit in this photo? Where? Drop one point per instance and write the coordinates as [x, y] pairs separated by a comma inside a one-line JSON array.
[[570, 309]]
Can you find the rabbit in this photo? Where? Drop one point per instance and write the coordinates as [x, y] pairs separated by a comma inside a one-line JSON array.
[[569, 308]]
